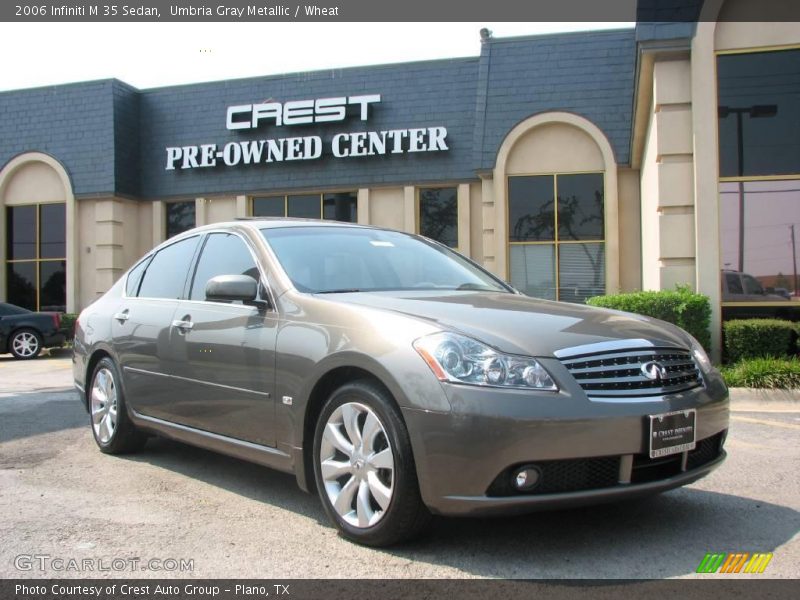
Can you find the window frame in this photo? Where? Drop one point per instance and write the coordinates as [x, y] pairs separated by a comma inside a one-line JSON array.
[[745, 178], [37, 260], [263, 282], [285, 196], [555, 242]]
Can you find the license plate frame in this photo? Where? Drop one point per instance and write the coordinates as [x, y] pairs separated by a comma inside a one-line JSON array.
[[672, 433]]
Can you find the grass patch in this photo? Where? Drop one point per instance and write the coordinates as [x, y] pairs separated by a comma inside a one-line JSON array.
[[773, 373]]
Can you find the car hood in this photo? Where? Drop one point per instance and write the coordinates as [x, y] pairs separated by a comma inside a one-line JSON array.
[[519, 324]]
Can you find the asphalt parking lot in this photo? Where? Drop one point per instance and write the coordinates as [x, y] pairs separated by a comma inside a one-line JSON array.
[[60, 498]]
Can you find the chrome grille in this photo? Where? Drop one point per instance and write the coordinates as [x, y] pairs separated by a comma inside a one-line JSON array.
[[618, 373]]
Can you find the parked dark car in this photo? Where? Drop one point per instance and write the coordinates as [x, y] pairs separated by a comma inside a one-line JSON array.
[[393, 375], [24, 333]]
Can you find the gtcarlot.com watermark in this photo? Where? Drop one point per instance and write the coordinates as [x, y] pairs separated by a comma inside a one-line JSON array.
[[48, 562]]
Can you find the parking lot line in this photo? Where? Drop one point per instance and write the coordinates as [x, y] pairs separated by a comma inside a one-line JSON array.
[[766, 422]]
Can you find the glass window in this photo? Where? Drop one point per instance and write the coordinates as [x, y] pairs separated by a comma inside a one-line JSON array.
[[269, 207], [53, 231], [223, 254], [36, 248], [53, 285], [166, 274], [531, 207], [329, 259], [306, 206], [336, 206], [734, 282], [438, 215], [340, 206], [21, 232], [21, 284], [759, 113], [180, 217], [135, 278], [556, 234], [760, 231], [580, 207]]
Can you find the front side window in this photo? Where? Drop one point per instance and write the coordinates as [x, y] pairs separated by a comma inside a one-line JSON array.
[[180, 217], [438, 215], [334, 206], [348, 259], [36, 266], [165, 275], [759, 169], [222, 254], [556, 234]]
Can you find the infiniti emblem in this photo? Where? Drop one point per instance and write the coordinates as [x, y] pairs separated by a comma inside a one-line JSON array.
[[654, 371]]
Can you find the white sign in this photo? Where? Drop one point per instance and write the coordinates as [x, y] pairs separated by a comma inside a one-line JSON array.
[[304, 112]]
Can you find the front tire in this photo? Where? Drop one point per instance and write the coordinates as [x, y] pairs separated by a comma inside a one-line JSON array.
[[112, 428], [25, 344], [364, 468]]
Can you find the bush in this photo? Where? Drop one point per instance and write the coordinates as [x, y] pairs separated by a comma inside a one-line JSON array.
[[781, 373], [681, 307], [68, 322], [751, 338]]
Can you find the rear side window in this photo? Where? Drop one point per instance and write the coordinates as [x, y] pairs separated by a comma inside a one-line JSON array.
[[166, 273], [734, 283], [134, 279], [223, 254]]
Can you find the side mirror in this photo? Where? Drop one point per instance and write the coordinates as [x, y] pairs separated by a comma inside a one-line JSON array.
[[228, 288]]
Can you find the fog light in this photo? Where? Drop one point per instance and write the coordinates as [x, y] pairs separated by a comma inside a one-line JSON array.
[[526, 478]]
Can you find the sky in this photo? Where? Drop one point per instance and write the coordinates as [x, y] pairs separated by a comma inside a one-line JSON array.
[[147, 55]]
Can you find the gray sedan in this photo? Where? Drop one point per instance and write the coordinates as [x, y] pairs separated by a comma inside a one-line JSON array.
[[393, 376]]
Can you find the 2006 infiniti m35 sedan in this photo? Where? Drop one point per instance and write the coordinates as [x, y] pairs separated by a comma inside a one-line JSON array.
[[392, 375]]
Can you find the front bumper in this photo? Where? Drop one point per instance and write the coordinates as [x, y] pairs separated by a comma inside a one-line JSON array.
[[465, 458]]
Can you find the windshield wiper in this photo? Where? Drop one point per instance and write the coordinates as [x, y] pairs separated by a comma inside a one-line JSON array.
[[340, 291]]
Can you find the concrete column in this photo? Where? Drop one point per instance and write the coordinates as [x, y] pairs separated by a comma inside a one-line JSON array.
[[159, 224], [410, 209], [488, 218], [241, 206], [464, 234], [362, 206], [200, 211], [109, 257]]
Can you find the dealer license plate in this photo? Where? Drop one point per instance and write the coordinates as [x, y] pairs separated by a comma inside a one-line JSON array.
[[672, 433]]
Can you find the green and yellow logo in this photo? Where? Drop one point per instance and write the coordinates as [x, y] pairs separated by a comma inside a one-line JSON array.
[[734, 562]]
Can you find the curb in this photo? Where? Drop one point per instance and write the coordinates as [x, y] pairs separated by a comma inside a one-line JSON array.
[[762, 396]]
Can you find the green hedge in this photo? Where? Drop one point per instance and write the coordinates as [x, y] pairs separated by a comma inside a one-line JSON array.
[[68, 321], [682, 307], [780, 373], [752, 338]]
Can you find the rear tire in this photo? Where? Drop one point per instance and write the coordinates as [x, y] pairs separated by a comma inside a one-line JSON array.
[[25, 344], [112, 428], [364, 468]]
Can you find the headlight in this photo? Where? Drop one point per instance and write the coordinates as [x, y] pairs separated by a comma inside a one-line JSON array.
[[700, 356], [460, 359]]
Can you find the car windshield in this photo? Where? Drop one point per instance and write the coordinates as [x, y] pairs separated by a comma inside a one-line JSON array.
[[348, 259]]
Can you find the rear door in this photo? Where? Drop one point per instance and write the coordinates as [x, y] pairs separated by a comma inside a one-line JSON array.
[[142, 328], [227, 350]]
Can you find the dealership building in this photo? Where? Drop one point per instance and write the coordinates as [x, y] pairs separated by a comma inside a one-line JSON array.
[[570, 165]]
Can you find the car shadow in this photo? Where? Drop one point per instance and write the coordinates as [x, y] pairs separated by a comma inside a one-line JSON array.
[[662, 536], [27, 414], [250, 480]]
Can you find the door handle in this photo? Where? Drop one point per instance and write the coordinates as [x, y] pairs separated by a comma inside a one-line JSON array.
[[122, 316], [184, 326]]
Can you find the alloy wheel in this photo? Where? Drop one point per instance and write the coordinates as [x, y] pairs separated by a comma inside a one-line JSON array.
[[25, 344], [104, 405], [357, 465]]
